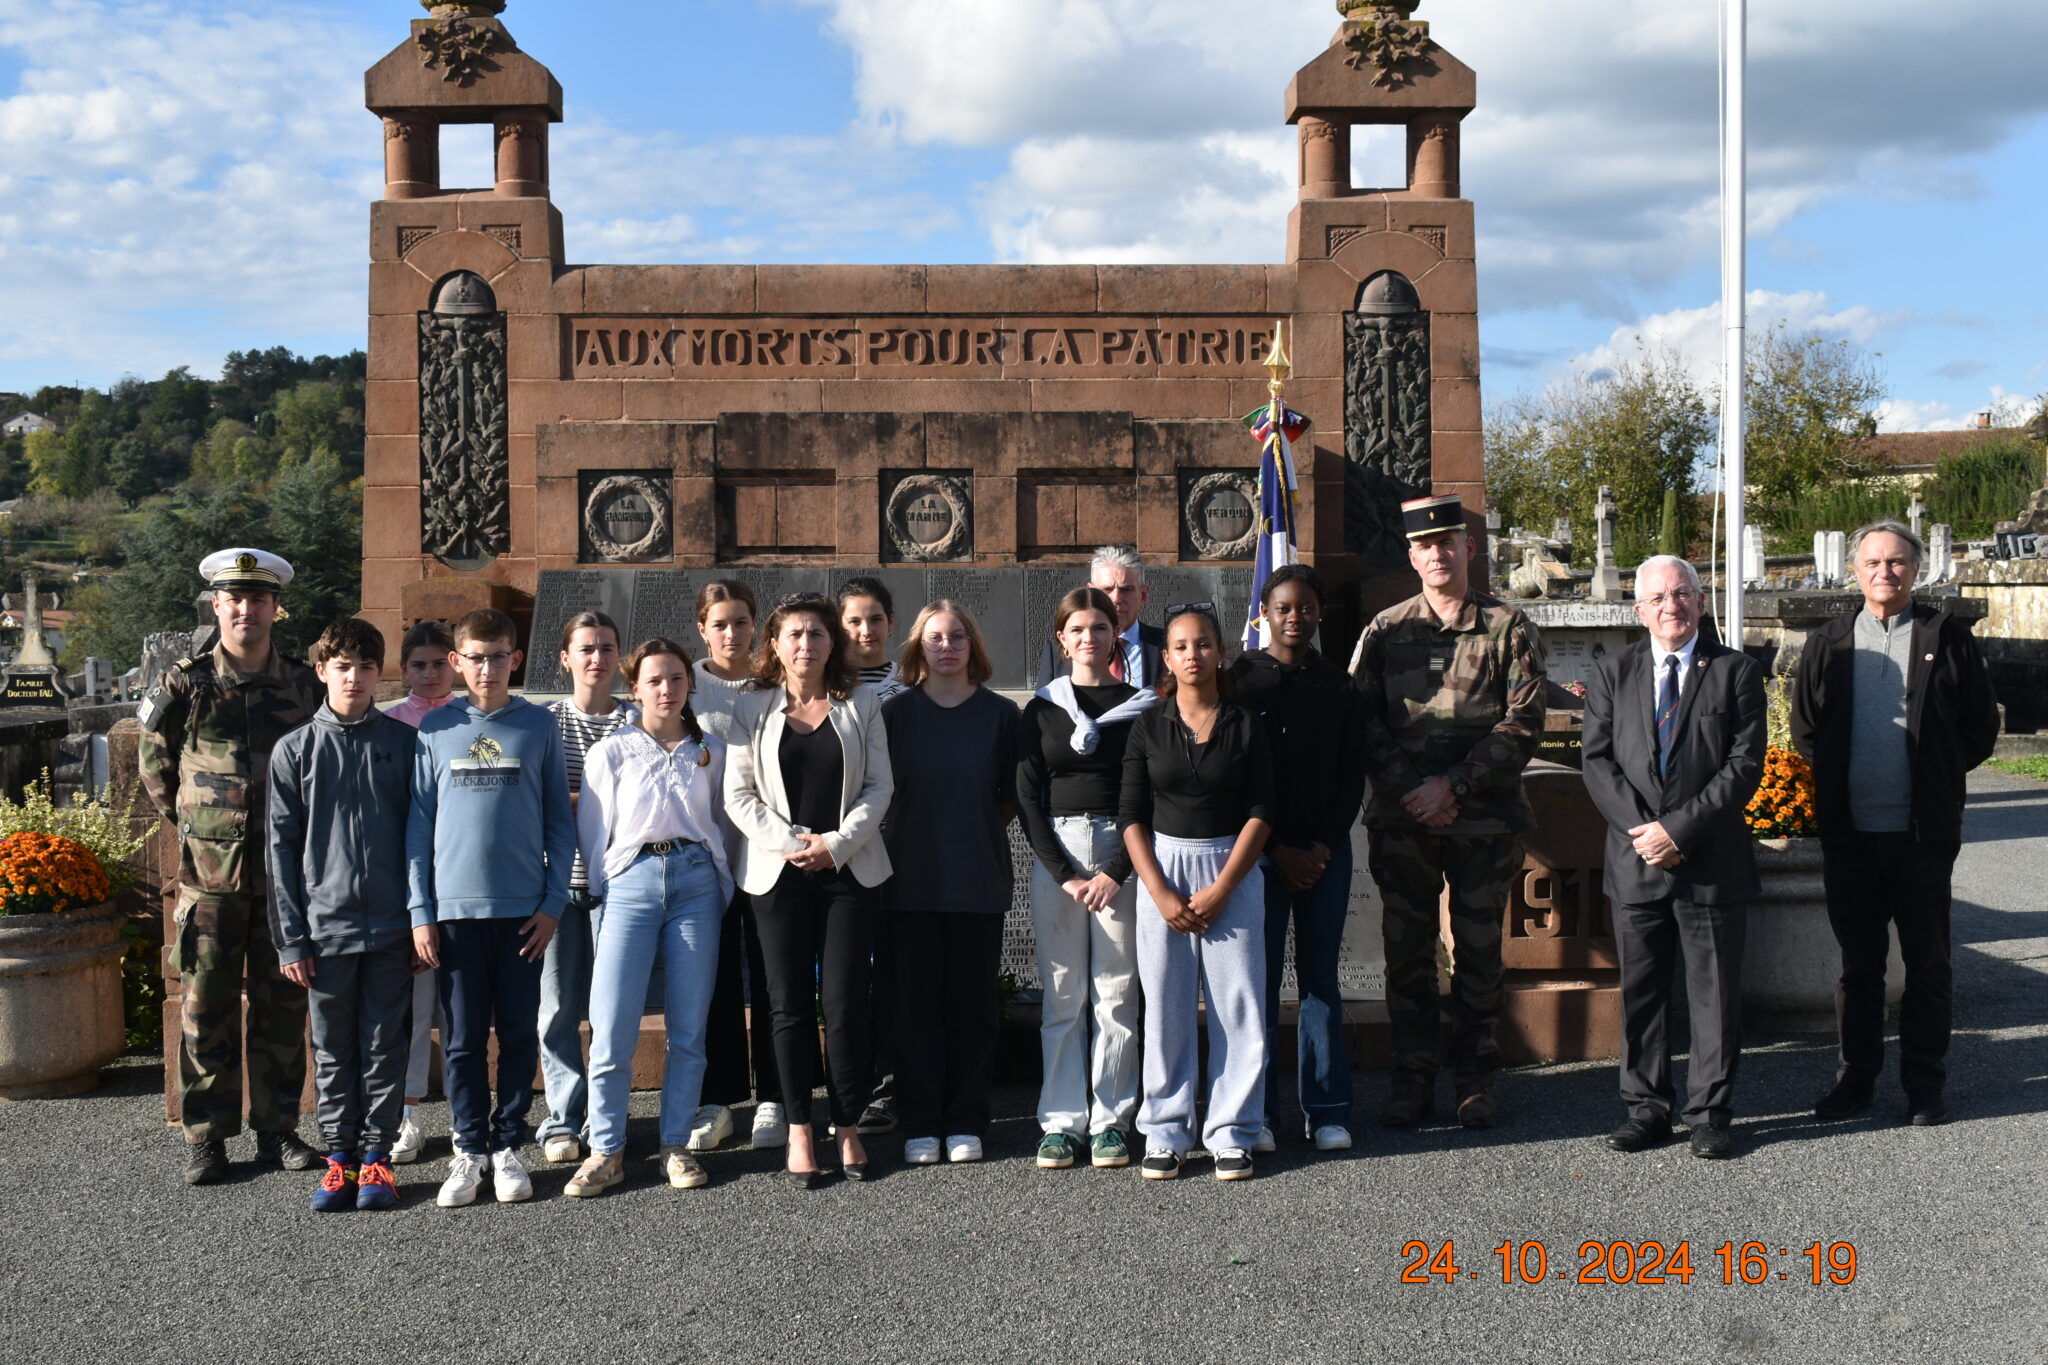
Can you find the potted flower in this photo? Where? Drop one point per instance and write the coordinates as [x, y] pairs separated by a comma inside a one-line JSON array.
[[60, 943], [1791, 961]]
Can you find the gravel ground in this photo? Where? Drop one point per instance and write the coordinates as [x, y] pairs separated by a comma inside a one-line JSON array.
[[105, 1255]]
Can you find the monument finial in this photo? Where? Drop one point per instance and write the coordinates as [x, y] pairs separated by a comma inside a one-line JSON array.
[[463, 9], [1380, 34], [1277, 365]]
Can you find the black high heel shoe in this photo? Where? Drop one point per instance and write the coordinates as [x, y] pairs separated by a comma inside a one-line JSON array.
[[806, 1180]]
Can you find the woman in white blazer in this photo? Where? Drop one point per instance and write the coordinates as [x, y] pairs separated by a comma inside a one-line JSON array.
[[807, 782]]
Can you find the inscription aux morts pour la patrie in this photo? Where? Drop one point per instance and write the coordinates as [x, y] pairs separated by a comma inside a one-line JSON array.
[[990, 347]]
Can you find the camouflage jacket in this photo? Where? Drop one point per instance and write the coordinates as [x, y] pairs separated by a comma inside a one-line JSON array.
[[1463, 699], [207, 733]]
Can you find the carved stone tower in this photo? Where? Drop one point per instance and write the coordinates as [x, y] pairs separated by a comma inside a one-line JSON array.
[[1402, 257]]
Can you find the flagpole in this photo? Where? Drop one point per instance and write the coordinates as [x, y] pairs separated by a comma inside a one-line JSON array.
[[1734, 303]]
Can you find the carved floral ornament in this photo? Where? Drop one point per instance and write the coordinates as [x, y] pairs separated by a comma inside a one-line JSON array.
[[1217, 505], [929, 518], [620, 505], [460, 49], [1386, 40]]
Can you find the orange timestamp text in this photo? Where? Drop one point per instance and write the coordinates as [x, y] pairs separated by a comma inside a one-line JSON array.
[[1601, 1262]]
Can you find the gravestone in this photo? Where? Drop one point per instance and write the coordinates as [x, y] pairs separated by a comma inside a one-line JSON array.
[[1606, 585], [1752, 554], [30, 679]]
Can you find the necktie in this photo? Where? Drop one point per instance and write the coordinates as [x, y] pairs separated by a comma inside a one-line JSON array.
[[1116, 662], [1667, 712]]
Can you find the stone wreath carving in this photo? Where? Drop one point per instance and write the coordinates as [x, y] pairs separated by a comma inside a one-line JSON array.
[[1194, 519], [903, 499], [1389, 42], [465, 476], [460, 49], [654, 544]]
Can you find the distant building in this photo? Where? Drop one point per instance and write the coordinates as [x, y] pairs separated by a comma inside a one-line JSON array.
[[1911, 456], [26, 424]]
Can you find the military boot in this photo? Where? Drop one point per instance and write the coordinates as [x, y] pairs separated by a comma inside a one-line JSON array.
[[1477, 1107], [285, 1149], [1411, 1095], [206, 1163]]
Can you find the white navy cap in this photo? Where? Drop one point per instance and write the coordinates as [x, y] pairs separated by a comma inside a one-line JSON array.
[[243, 569]]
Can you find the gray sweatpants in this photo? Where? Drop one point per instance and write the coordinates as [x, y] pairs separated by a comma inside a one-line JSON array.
[[362, 1027], [1228, 966]]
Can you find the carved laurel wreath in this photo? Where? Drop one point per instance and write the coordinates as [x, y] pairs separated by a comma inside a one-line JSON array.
[[1388, 43], [910, 490], [1246, 545], [459, 48], [649, 546]]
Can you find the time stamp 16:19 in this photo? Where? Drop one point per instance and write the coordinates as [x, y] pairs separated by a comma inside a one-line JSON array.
[[1637, 1263]]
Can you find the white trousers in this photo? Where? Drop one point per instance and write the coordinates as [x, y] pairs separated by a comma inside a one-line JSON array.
[[1088, 966]]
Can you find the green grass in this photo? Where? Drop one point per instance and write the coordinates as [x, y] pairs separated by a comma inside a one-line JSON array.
[[2035, 767]]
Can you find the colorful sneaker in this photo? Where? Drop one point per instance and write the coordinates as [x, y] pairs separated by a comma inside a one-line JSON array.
[[509, 1179], [336, 1192], [709, 1126], [376, 1186], [1160, 1164], [465, 1174], [1108, 1148], [411, 1140], [1233, 1163], [771, 1125], [1056, 1151], [597, 1174]]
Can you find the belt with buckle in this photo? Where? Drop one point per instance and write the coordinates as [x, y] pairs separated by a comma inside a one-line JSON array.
[[661, 846]]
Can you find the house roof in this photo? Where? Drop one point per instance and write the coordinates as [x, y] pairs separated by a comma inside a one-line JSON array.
[[1925, 449]]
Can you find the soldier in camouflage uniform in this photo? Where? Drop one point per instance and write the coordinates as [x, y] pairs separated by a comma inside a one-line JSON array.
[[207, 730], [1453, 685]]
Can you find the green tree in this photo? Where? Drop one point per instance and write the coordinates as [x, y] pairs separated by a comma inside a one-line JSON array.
[[73, 463], [156, 591], [316, 521], [319, 414], [1810, 403]]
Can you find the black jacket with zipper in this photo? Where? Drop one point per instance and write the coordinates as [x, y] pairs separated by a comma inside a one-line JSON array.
[[1951, 720], [1315, 727]]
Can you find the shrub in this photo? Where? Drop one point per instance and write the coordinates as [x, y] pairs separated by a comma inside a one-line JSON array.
[[102, 827]]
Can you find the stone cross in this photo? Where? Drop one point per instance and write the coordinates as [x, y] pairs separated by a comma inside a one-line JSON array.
[[1941, 549], [1916, 512], [1606, 574]]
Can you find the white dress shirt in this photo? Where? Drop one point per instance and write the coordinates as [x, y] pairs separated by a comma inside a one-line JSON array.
[[637, 793], [1134, 656], [1658, 654]]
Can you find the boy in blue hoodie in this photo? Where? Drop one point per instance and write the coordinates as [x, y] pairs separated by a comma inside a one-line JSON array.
[[339, 789], [488, 777]]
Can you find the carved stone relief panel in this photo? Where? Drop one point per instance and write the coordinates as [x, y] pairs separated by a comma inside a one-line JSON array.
[[1219, 514], [927, 518], [465, 493], [1386, 429], [627, 516]]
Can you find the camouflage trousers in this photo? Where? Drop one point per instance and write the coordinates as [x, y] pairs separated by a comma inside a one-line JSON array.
[[224, 946], [1411, 869]]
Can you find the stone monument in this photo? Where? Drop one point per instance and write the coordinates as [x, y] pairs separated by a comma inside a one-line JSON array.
[[1606, 586], [31, 676]]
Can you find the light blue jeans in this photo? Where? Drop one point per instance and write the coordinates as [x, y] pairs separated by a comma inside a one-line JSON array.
[[564, 1003], [668, 908]]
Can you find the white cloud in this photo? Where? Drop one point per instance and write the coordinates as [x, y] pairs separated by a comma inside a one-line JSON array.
[[1695, 335], [1903, 414]]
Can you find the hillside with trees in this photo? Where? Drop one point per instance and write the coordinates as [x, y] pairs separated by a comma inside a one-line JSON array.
[[118, 505]]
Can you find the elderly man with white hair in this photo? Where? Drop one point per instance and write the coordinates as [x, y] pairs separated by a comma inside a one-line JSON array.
[[1139, 657], [1672, 751]]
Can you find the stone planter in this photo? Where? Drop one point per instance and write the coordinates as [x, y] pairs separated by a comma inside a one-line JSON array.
[[1791, 963], [60, 1000]]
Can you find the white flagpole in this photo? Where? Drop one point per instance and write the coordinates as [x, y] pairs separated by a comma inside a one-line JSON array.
[[1734, 302]]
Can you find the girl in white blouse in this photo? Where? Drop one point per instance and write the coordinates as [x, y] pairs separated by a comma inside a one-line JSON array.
[[651, 827]]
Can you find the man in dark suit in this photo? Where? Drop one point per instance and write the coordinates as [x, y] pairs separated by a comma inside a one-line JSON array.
[[1120, 574], [1672, 751]]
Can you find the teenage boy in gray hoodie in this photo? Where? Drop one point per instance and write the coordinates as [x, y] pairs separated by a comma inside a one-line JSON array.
[[339, 792], [486, 893]]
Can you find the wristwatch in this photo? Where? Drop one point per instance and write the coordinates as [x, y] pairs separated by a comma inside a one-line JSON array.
[[1460, 788]]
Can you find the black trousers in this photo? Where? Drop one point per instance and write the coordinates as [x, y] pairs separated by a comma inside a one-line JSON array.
[[818, 938], [1875, 881], [361, 1007], [731, 1034], [1651, 941], [947, 1018]]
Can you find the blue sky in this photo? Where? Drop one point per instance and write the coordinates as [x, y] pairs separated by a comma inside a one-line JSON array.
[[179, 178]]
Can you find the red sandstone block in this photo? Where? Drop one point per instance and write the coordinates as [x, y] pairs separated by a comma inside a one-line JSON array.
[[1167, 289], [384, 580], [391, 461], [394, 219], [1106, 513], [806, 516], [395, 287], [1212, 443], [447, 252], [519, 457], [924, 395], [1314, 287], [1454, 404], [394, 349], [391, 407], [391, 523], [1454, 346], [558, 518], [1318, 226], [530, 228], [670, 400], [1315, 343], [1445, 221], [696, 529], [1000, 289], [753, 517], [670, 290], [534, 401], [840, 288], [847, 442], [1045, 513], [859, 530], [563, 448], [565, 294], [535, 347], [995, 519], [523, 534], [1457, 456], [524, 286], [1158, 508], [1366, 256], [1450, 287], [1140, 397]]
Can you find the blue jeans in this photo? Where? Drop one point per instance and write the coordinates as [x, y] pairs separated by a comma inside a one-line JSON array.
[[669, 907], [564, 1003], [1323, 1067]]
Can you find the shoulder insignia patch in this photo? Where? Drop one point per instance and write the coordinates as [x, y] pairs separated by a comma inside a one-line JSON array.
[[152, 706]]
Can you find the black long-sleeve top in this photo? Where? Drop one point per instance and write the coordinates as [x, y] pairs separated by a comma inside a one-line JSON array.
[[1315, 723], [1185, 790], [1053, 780]]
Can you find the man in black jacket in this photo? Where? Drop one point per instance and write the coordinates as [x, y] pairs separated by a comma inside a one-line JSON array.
[[1672, 751], [1892, 707]]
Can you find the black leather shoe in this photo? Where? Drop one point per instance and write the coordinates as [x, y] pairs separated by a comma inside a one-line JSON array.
[[879, 1117], [285, 1149], [806, 1180], [1635, 1135], [1926, 1112], [1849, 1096], [855, 1170], [206, 1163], [1713, 1141]]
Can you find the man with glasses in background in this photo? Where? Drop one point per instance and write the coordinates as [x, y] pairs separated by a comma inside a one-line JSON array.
[[1673, 749], [1118, 572]]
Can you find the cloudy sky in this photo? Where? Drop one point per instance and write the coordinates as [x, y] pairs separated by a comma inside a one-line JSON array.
[[179, 178]]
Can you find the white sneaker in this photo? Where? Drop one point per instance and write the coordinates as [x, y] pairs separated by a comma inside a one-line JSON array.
[[771, 1125], [406, 1150], [509, 1177], [562, 1148], [921, 1151], [963, 1147], [709, 1126], [1333, 1137], [465, 1175], [1265, 1142]]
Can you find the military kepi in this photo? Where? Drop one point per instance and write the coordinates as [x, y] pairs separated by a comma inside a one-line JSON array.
[[1432, 516], [245, 570]]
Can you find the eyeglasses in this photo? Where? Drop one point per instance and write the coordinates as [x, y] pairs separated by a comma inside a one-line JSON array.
[[501, 659], [1182, 608], [802, 599], [1677, 597], [957, 640]]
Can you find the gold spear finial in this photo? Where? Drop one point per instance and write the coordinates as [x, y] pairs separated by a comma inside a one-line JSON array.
[[1278, 366]]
